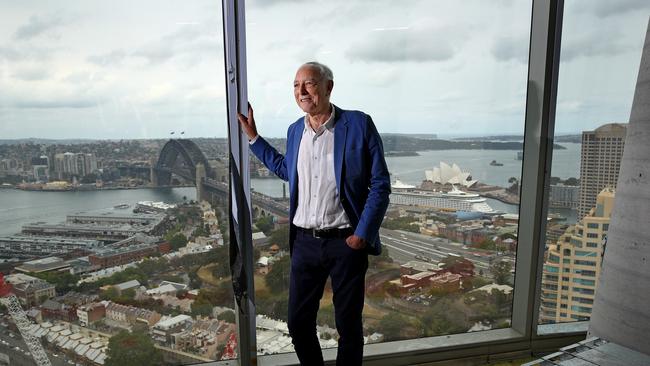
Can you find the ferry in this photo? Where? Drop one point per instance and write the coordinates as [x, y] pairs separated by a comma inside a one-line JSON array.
[[495, 163], [454, 200]]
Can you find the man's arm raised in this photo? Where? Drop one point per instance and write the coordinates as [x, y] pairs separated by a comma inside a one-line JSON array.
[[248, 123], [271, 158]]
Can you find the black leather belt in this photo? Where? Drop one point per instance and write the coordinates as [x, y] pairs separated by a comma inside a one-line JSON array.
[[333, 233]]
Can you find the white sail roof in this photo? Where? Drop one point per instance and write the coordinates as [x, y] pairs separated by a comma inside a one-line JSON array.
[[449, 174]]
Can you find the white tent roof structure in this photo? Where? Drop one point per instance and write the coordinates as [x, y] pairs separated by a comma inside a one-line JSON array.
[[449, 174]]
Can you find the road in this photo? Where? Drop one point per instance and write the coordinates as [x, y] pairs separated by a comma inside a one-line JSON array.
[[404, 246], [11, 344]]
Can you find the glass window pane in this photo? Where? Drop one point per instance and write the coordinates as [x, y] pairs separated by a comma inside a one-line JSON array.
[[109, 114], [597, 75], [445, 84]]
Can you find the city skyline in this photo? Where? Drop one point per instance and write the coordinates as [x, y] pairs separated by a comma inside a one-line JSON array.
[[94, 71]]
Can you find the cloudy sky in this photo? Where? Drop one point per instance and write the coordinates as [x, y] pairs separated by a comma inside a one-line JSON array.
[[142, 69]]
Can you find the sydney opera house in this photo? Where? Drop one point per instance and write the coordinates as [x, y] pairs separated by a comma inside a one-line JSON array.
[[446, 174]]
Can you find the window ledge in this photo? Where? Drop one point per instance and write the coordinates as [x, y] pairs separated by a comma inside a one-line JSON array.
[[419, 350], [562, 328]]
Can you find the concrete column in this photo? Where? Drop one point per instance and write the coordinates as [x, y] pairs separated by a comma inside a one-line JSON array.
[[200, 176], [621, 311], [153, 177]]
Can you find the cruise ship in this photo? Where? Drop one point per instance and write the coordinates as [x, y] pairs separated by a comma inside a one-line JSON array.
[[454, 201]]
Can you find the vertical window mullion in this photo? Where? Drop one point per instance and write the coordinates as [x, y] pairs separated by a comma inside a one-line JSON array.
[[546, 30], [241, 243]]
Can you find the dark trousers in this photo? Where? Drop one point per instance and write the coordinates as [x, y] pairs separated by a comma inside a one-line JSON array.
[[312, 261]]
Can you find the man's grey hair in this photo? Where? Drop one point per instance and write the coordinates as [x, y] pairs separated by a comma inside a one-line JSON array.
[[324, 71]]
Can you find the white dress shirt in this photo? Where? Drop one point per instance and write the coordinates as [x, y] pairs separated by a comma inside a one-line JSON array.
[[319, 206]]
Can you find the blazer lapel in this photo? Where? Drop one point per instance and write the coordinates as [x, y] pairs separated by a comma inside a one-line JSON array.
[[340, 134], [293, 168]]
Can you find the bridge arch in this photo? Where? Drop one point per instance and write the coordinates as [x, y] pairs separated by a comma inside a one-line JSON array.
[[190, 155]]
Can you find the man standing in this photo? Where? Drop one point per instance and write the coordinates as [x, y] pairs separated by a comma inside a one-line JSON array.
[[339, 188]]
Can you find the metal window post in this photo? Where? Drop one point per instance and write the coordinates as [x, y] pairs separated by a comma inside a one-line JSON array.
[[241, 243], [543, 64]]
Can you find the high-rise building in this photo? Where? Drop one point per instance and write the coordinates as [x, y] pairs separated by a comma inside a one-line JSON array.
[[562, 195], [74, 164], [572, 265], [600, 161]]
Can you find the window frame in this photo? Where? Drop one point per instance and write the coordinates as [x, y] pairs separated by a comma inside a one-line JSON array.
[[524, 335]]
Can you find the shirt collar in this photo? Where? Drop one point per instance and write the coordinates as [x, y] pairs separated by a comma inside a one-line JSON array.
[[328, 125]]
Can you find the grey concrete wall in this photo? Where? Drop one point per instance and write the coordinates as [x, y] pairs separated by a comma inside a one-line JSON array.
[[621, 311]]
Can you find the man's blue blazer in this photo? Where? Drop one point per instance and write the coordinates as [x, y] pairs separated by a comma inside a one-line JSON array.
[[362, 176]]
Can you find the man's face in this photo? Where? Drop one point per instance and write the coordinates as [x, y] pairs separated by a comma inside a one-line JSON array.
[[312, 92]]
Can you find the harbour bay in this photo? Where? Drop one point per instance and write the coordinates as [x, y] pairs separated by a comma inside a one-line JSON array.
[[18, 207]]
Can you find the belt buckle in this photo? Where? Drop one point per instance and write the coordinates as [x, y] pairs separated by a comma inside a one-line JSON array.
[[314, 233]]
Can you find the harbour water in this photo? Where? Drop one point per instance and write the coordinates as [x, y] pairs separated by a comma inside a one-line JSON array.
[[18, 208]]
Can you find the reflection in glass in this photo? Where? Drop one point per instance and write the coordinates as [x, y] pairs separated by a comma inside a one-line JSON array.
[[113, 222], [594, 99], [448, 99]]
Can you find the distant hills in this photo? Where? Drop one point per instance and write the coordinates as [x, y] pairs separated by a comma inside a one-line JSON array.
[[40, 141], [394, 143], [575, 138]]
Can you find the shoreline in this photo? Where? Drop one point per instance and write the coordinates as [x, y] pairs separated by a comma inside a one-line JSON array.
[[94, 189]]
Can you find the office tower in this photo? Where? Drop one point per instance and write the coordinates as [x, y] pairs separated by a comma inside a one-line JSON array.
[[572, 265], [600, 161], [74, 164]]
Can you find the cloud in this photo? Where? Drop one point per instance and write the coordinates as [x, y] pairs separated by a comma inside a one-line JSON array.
[[268, 3], [30, 74], [190, 43], [26, 53], [38, 25], [605, 43], [403, 44], [54, 103], [608, 8], [510, 48], [112, 58]]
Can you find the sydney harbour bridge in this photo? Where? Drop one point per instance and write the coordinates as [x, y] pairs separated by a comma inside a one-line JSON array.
[[182, 159]]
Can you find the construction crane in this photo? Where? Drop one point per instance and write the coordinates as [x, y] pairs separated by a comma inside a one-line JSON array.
[[8, 299]]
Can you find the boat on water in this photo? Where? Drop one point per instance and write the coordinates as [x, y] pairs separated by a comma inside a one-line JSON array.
[[122, 206], [454, 200], [495, 163]]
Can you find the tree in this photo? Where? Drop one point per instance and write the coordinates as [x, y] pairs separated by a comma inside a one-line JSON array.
[[514, 188], [501, 272], [215, 296], [221, 260], [132, 349], [281, 237], [391, 326], [487, 244], [572, 182], [265, 224], [203, 309], [227, 316], [406, 223], [441, 320], [202, 230], [128, 294], [63, 281], [278, 277], [326, 316], [177, 241], [110, 293]]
